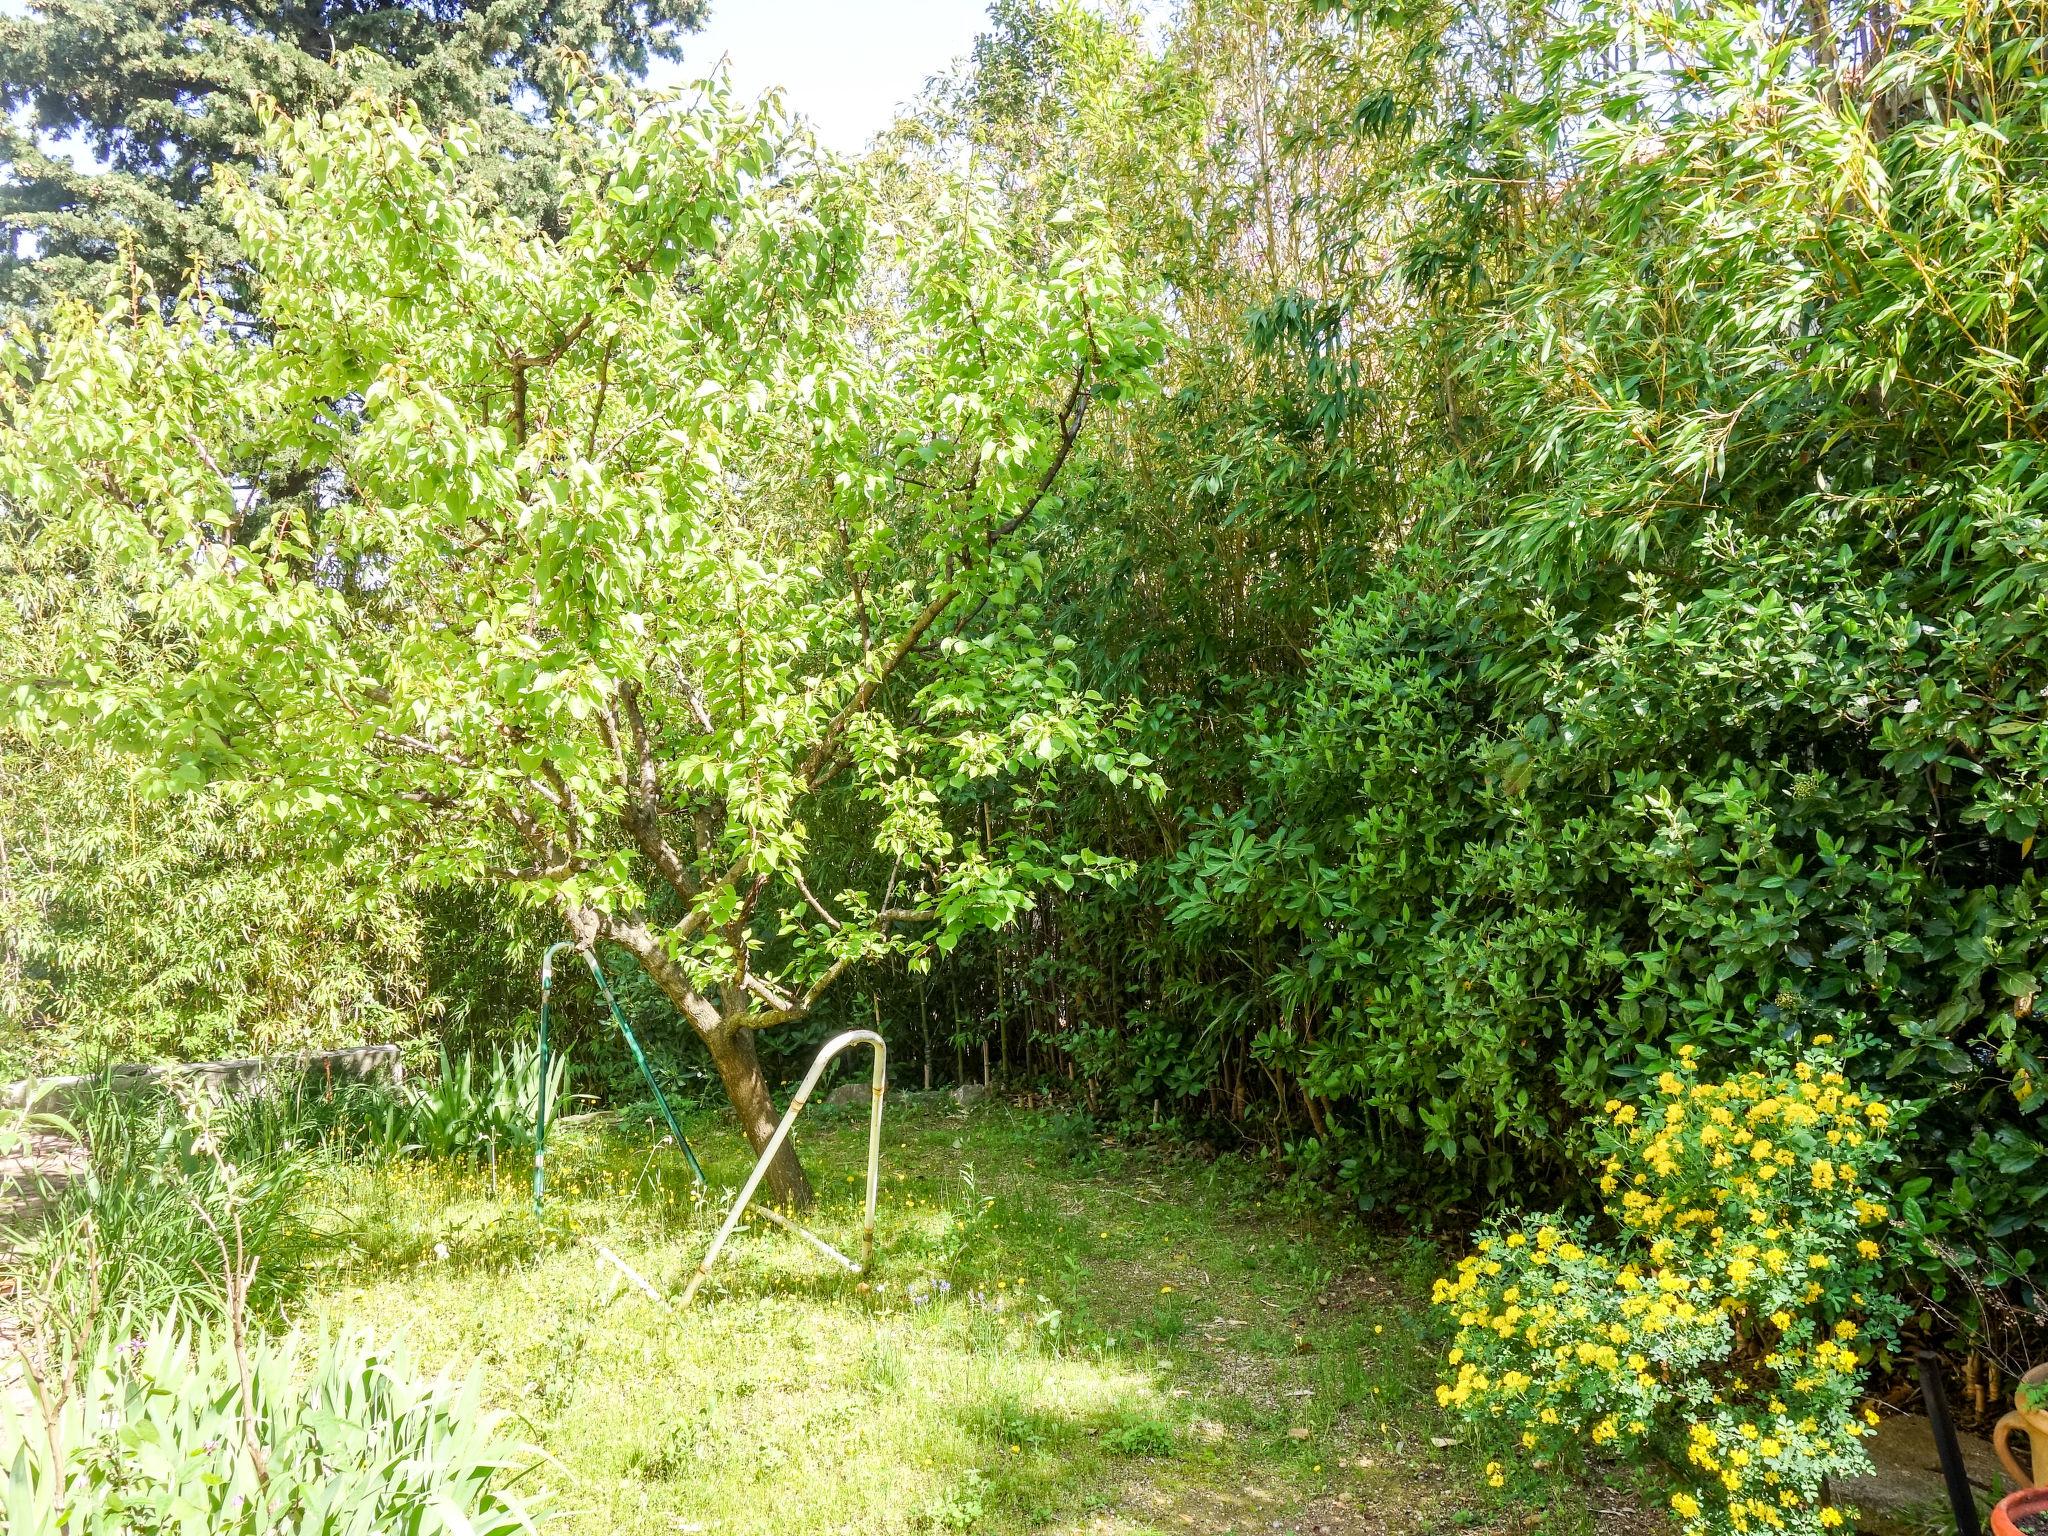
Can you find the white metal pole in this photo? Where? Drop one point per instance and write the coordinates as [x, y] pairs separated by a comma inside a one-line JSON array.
[[881, 1086], [831, 1049]]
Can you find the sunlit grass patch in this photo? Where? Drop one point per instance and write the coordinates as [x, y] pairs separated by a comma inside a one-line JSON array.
[[1113, 1343]]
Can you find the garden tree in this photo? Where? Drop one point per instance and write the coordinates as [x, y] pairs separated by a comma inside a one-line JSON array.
[[123, 112], [605, 564]]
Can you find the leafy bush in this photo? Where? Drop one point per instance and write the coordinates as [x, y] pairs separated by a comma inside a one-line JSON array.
[[1747, 580], [1436, 942], [1728, 1323], [143, 928], [1699, 698], [178, 1429]]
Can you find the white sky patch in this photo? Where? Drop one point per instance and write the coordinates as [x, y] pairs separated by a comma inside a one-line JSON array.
[[846, 65]]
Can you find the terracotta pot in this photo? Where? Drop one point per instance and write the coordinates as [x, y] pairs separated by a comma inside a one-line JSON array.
[[2034, 1422], [2007, 1513]]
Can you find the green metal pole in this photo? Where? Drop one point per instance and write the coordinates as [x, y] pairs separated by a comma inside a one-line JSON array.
[[540, 1107], [640, 1061], [540, 1115]]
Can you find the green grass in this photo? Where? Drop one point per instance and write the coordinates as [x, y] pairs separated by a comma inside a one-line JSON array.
[[1058, 1335], [138, 1226]]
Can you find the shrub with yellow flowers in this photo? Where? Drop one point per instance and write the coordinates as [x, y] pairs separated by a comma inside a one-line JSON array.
[[1728, 1314]]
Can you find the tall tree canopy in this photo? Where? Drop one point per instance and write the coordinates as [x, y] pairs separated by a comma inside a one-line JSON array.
[[122, 112], [605, 564]]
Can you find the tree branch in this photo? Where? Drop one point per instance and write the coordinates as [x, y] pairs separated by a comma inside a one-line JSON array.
[[817, 906], [568, 865], [1072, 414], [762, 988], [865, 693], [419, 748], [637, 939], [519, 362], [789, 1013], [860, 601], [640, 814]]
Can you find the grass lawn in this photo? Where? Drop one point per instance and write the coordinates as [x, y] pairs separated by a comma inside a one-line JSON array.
[[1059, 1335]]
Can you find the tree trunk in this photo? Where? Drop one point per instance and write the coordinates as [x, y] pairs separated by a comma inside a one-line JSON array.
[[739, 1067], [732, 1050]]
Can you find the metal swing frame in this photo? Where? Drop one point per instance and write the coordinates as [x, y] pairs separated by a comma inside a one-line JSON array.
[[540, 1110], [879, 1087]]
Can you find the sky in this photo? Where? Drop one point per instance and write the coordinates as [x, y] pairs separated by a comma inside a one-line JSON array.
[[844, 64]]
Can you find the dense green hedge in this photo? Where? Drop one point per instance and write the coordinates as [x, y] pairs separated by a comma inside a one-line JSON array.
[[1685, 677]]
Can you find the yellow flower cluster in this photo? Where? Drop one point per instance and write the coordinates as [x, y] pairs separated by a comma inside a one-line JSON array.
[[1728, 1320]]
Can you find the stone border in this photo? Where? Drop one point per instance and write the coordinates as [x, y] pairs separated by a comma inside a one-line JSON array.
[[218, 1079]]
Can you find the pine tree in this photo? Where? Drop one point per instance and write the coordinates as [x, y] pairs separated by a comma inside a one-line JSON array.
[[121, 113]]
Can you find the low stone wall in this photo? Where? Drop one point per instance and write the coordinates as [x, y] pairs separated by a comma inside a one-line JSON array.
[[318, 1070]]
